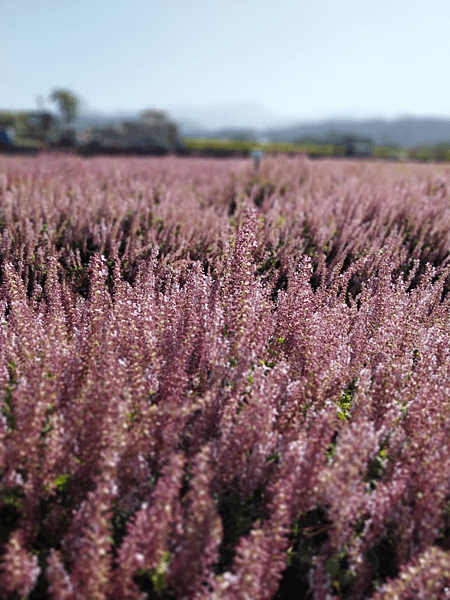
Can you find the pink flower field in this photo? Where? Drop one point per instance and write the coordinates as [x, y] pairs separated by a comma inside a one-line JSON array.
[[219, 382]]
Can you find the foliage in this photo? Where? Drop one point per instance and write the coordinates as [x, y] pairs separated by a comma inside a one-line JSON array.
[[436, 152], [67, 102], [223, 383], [245, 146], [314, 149]]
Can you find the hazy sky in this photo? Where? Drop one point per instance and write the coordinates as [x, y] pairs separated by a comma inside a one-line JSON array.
[[297, 58]]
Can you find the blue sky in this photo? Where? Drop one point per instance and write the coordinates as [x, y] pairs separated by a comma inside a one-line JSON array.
[[295, 58]]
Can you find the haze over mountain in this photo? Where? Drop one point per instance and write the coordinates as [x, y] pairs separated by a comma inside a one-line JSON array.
[[204, 120], [224, 116], [402, 131], [252, 121]]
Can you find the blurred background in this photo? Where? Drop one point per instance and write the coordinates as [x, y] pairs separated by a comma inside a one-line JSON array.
[[245, 70]]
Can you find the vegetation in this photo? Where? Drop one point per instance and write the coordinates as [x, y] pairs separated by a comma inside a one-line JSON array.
[[315, 148], [68, 104], [218, 382], [245, 147]]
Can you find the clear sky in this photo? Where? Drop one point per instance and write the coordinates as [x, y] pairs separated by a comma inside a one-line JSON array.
[[308, 59]]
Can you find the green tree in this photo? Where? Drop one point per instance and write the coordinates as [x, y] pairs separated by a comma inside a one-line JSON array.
[[68, 104]]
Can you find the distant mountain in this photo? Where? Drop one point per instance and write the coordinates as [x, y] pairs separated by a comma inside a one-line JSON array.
[[244, 115], [405, 131], [198, 121], [252, 122], [191, 129]]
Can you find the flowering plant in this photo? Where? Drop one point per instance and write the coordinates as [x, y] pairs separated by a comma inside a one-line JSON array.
[[217, 384]]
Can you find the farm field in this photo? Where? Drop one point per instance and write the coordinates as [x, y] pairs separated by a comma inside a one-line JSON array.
[[223, 382]]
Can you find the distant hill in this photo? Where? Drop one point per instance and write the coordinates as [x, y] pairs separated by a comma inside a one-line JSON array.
[[406, 131], [403, 131], [242, 115]]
